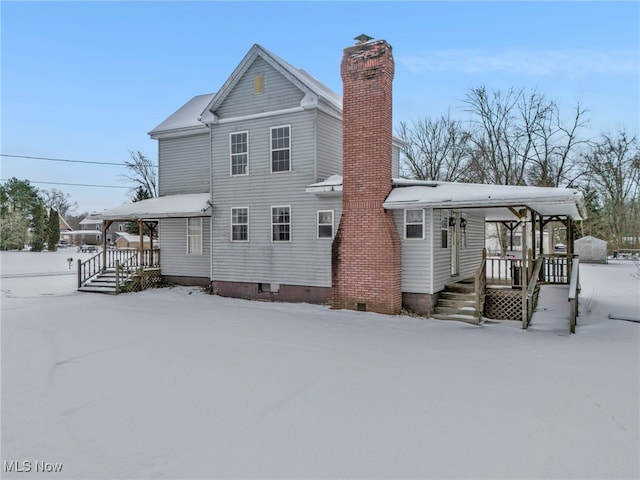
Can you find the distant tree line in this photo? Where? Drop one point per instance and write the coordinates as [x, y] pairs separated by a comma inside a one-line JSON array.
[[29, 216], [520, 137]]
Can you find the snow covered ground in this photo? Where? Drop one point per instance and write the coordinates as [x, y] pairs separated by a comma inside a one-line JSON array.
[[174, 383]]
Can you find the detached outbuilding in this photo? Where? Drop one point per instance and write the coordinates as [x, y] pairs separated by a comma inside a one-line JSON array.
[[591, 250]]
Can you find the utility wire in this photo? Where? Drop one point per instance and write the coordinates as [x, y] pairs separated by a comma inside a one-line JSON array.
[[62, 160], [73, 184]]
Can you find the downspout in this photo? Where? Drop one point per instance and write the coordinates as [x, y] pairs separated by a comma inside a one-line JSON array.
[[211, 201]]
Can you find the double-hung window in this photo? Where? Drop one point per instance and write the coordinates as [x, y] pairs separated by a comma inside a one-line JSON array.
[[414, 224], [325, 223], [281, 148], [194, 236], [240, 224], [281, 224], [444, 228], [239, 148]]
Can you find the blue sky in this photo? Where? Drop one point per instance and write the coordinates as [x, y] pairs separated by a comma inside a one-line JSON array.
[[88, 80]]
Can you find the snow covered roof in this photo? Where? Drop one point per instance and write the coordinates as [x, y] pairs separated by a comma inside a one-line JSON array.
[[131, 238], [169, 206], [90, 221], [186, 117], [489, 201]]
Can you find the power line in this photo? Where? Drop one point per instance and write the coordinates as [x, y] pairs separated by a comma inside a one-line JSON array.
[[73, 184], [62, 160]]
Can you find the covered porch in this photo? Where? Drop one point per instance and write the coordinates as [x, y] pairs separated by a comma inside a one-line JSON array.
[[117, 270], [506, 286]]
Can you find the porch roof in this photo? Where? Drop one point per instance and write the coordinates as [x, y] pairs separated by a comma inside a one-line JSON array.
[[168, 206], [494, 202]]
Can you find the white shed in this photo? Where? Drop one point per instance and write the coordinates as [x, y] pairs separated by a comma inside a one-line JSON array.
[[591, 250]]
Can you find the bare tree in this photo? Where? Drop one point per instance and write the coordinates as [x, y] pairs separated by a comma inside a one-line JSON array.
[[435, 149], [498, 153], [143, 173], [521, 138], [613, 167], [59, 201]]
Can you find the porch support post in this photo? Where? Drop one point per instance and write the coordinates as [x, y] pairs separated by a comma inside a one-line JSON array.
[[141, 247], [524, 269], [533, 235], [569, 247], [105, 226]]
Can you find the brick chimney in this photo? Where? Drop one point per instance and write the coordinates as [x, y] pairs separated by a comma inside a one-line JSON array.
[[366, 253]]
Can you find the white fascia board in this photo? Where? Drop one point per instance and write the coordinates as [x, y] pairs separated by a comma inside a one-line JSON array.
[[179, 132], [254, 116]]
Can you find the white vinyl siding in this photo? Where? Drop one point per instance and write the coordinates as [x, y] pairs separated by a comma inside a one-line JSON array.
[[239, 153], [470, 256], [173, 249], [281, 148], [304, 261], [416, 270], [183, 165], [278, 93], [325, 224], [281, 224], [194, 236], [240, 224]]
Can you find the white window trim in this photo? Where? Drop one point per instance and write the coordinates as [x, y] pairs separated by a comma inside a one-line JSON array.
[[444, 216], [422, 237], [290, 224], [188, 236], [231, 155], [232, 224], [271, 150], [333, 224]]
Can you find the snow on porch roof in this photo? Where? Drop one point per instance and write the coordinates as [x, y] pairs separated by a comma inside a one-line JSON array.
[[169, 206], [491, 200]]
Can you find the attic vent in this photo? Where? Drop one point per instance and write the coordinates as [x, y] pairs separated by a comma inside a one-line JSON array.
[[258, 84]]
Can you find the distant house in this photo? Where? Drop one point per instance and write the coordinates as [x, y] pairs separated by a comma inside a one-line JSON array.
[[277, 188], [90, 232], [66, 232], [128, 240]]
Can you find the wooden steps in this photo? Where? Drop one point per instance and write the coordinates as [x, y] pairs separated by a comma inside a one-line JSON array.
[[457, 302], [104, 282]]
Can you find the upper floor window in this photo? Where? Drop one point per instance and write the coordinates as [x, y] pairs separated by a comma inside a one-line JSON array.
[[281, 148], [239, 147], [281, 224], [240, 224], [325, 223], [414, 224], [194, 236]]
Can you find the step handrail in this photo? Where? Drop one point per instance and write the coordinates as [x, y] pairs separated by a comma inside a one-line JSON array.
[[89, 268], [574, 293]]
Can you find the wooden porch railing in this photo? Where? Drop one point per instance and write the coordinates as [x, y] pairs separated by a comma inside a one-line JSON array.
[[127, 259], [531, 289], [554, 269], [481, 285], [574, 293]]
